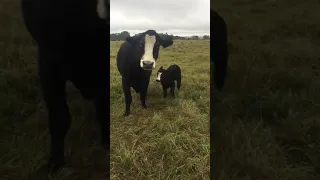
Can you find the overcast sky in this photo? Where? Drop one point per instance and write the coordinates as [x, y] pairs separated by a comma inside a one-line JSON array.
[[177, 17]]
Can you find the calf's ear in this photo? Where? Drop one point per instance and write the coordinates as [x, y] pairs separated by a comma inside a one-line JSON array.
[[166, 43], [131, 40]]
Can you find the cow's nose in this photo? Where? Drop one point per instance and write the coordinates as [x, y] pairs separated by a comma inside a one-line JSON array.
[[147, 63]]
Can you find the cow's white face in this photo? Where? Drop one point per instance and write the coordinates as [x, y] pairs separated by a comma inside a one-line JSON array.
[[101, 9], [159, 76], [147, 61]]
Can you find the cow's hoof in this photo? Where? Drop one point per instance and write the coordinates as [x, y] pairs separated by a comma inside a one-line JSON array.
[[54, 165], [144, 106], [127, 113]]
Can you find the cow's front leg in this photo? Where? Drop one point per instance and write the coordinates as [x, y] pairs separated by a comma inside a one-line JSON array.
[[127, 96], [143, 96], [102, 114], [53, 87], [59, 124], [53, 90], [144, 89]]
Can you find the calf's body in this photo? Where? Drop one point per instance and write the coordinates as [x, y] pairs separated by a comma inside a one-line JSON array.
[[168, 77]]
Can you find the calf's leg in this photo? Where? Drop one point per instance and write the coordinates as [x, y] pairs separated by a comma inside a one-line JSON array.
[[172, 89], [164, 91]]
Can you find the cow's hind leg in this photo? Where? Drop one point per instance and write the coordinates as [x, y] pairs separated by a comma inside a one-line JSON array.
[[54, 93], [127, 96]]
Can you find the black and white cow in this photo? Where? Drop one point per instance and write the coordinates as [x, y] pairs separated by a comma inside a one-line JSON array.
[[135, 61], [73, 44], [219, 48]]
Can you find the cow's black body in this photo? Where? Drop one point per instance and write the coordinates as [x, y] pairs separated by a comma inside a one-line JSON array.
[[168, 78], [219, 49], [72, 44], [128, 63]]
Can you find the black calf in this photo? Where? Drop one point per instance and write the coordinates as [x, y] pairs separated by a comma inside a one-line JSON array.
[[168, 78]]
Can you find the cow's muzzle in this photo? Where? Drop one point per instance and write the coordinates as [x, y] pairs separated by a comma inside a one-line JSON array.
[[148, 65]]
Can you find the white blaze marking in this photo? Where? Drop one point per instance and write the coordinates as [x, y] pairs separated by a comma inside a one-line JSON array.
[[159, 76], [101, 9], [149, 42]]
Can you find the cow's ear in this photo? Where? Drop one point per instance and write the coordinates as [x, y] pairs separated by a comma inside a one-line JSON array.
[[161, 67], [166, 43], [131, 40]]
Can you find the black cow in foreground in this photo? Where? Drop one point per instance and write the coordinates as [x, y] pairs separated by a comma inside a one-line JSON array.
[[136, 59], [72, 44], [219, 49], [219, 58], [167, 77]]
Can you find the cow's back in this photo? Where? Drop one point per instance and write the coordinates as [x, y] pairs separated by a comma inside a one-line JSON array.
[[72, 31], [61, 23], [219, 48]]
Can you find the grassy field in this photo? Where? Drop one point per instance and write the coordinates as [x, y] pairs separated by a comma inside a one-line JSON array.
[[266, 122], [169, 140]]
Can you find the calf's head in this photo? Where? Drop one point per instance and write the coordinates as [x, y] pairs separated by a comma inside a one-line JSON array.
[[148, 44], [160, 71]]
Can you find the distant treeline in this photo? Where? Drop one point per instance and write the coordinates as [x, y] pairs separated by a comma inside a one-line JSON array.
[[124, 34]]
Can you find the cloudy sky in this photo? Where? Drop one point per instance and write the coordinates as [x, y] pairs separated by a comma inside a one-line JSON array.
[[177, 17]]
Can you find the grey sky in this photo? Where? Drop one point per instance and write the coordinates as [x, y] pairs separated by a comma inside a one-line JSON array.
[[177, 17]]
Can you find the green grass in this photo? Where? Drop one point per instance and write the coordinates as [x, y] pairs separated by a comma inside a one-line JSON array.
[[267, 119], [169, 140]]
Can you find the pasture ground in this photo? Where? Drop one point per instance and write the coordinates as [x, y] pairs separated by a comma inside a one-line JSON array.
[[169, 140], [266, 122]]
